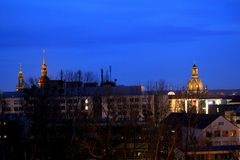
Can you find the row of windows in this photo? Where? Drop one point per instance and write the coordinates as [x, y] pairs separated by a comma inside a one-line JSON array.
[[218, 133], [63, 107], [17, 102], [70, 101], [14, 108], [124, 100]]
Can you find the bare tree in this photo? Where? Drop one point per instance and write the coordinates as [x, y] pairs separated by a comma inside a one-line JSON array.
[[77, 76], [89, 77], [32, 81]]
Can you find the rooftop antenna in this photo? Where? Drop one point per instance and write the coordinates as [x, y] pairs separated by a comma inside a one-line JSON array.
[[107, 76], [61, 75], [110, 73], [101, 75]]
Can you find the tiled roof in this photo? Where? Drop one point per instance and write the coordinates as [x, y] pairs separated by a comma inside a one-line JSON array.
[[198, 121], [103, 91]]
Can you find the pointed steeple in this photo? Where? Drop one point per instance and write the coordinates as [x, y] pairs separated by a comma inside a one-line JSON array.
[[20, 84], [42, 82], [20, 71], [44, 65], [44, 56]]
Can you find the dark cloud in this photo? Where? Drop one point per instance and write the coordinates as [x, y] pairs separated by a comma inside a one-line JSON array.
[[77, 23], [73, 37]]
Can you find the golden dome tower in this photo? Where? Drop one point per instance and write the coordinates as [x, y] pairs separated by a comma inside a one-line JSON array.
[[42, 82], [195, 85], [21, 84]]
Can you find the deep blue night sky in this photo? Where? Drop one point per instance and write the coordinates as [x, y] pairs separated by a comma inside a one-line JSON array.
[[142, 40]]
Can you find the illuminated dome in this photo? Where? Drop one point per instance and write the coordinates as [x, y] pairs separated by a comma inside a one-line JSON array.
[[195, 85], [171, 93]]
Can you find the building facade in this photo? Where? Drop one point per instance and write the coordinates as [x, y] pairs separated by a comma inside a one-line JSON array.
[[102, 101], [195, 99]]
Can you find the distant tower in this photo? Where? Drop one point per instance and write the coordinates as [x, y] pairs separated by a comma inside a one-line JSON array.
[[195, 85], [42, 82], [20, 85]]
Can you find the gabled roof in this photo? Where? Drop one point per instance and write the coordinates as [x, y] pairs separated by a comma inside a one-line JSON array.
[[198, 121]]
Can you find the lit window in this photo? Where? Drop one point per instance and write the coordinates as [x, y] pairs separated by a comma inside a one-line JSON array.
[[232, 133], [218, 102], [5, 136], [194, 103], [86, 108], [139, 154], [210, 103], [225, 133], [86, 101]]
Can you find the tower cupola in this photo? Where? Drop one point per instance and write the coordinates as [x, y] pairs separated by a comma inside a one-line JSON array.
[[195, 85]]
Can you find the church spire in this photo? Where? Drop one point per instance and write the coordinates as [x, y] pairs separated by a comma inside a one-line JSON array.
[[20, 85], [44, 56], [21, 69], [44, 65], [42, 82]]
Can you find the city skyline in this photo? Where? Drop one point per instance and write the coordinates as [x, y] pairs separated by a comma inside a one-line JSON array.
[[141, 41]]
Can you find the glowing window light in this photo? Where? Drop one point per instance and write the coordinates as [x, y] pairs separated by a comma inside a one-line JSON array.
[[218, 102]]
